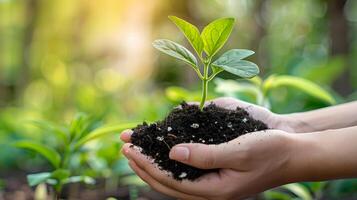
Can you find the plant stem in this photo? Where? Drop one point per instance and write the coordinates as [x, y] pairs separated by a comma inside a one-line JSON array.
[[204, 92], [58, 193], [204, 84]]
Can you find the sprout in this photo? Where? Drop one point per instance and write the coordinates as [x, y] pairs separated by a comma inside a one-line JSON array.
[[206, 45]]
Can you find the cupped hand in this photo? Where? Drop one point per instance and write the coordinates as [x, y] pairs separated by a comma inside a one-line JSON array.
[[247, 165], [274, 121]]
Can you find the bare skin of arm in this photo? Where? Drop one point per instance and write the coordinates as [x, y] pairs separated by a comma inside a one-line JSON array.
[[334, 117], [255, 162], [325, 155]]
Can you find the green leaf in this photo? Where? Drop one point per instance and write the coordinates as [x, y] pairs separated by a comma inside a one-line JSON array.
[[35, 179], [237, 54], [256, 81], [60, 174], [302, 84], [276, 195], [231, 62], [175, 50], [231, 88], [215, 34], [52, 181], [50, 154], [83, 179], [132, 180], [229, 56], [100, 132], [247, 90], [325, 71], [299, 190], [316, 187], [2, 184], [77, 124], [191, 32], [52, 128], [81, 125], [216, 70]]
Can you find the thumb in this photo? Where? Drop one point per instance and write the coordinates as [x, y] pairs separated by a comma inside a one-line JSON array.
[[201, 155]]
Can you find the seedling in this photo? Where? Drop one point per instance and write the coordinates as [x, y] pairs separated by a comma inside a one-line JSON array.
[[70, 141], [189, 124], [206, 46]]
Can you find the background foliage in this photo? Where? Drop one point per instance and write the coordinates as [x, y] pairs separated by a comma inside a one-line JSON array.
[[61, 57]]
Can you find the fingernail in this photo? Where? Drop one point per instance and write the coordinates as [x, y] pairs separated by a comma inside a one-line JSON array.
[[179, 153], [126, 133]]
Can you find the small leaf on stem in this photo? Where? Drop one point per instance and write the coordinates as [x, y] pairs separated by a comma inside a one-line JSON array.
[[215, 35], [191, 32], [231, 62], [175, 50]]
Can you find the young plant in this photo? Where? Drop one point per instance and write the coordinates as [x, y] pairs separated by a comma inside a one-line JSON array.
[[70, 142], [206, 45]]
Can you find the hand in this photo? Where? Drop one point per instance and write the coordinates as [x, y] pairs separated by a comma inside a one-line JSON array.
[[248, 165], [157, 179], [273, 120], [257, 161]]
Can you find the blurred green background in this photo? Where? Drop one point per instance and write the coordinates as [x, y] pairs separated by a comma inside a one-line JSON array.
[[61, 57]]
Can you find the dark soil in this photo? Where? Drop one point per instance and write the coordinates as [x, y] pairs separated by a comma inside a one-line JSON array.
[[188, 124]]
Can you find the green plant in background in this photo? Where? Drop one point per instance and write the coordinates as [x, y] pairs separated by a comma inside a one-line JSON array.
[[259, 89], [297, 191], [206, 45], [2, 184], [81, 131], [290, 191]]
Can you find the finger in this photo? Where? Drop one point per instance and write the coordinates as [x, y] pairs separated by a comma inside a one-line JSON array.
[[204, 156], [225, 102], [125, 150], [158, 186], [125, 136], [206, 184], [231, 103], [190, 103], [255, 111], [197, 103]]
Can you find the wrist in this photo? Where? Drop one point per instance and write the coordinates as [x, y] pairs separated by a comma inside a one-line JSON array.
[[285, 122], [294, 123], [307, 156], [288, 169]]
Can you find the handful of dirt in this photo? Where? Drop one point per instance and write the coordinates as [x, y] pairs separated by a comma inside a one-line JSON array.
[[188, 124]]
